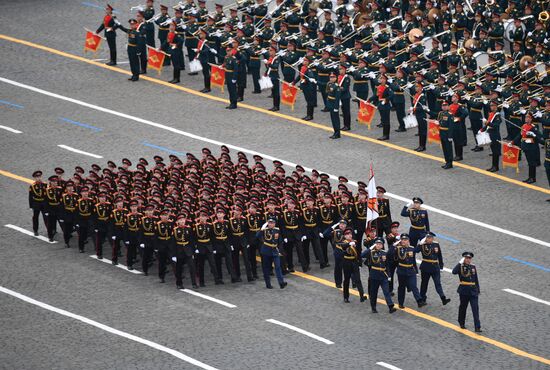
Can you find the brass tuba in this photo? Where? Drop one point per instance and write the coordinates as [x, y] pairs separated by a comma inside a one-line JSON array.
[[544, 16]]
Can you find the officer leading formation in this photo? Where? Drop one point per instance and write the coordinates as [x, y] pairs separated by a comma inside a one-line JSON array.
[[482, 61], [213, 210]]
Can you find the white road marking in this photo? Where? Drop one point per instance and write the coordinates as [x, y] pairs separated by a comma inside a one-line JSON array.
[[268, 157], [207, 297], [387, 366], [108, 329], [11, 129], [301, 331], [524, 295], [108, 261], [30, 233], [79, 151], [444, 268]]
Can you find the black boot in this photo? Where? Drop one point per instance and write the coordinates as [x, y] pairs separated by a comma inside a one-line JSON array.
[[532, 175], [445, 300], [494, 167]]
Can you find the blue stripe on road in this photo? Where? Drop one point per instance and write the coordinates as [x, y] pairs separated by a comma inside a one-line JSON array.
[[93, 128], [162, 148], [441, 236], [11, 104], [510, 258], [92, 5]]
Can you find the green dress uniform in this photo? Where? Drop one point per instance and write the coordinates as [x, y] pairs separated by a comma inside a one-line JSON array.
[[445, 119], [109, 26], [133, 51], [162, 34], [149, 13], [231, 74], [38, 204]]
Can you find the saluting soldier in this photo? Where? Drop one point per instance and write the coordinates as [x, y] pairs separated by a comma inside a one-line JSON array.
[[37, 201], [432, 264], [468, 289], [109, 25], [377, 260], [406, 271], [420, 223], [270, 239]]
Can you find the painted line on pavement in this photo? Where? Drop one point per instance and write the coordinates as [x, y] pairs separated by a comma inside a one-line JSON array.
[[29, 233], [438, 321], [79, 151], [108, 329], [16, 177], [108, 261], [510, 258], [207, 297], [301, 331], [164, 149], [277, 114], [444, 268], [524, 295], [11, 129], [387, 366], [5, 102], [266, 156], [76, 123]]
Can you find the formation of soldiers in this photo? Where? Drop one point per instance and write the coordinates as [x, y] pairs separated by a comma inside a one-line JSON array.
[[471, 55], [226, 213]]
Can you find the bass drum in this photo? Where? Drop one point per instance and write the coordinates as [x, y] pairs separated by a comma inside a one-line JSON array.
[[482, 59], [510, 27]]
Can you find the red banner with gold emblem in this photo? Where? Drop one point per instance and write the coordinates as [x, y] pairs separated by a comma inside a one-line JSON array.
[[155, 59], [93, 41], [510, 156], [366, 112], [288, 94], [433, 131], [217, 76]]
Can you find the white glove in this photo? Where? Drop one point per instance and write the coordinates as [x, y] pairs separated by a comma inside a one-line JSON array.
[[372, 75], [174, 259], [485, 101], [113, 237], [265, 61], [352, 69], [538, 114], [450, 139], [529, 34], [240, 25], [312, 80], [95, 230], [214, 252], [184, 27], [329, 49], [196, 251], [321, 235], [234, 81], [142, 245], [304, 238], [381, 60], [409, 85], [127, 243], [509, 144], [522, 111], [47, 214], [467, 97], [409, 204], [431, 86], [411, 110], [405, 65], [264, 226], [388, 10], [352, 244], [423, 71], [505, 105], [77, 226], [499, 88], [61, 221], [333, 227], [335, 110], [531, 133], [195, 50], [213, 51], [349, 53], [285, 240], [390, 80], [461, 261], [484, 120], [450, 92], [117, 22]]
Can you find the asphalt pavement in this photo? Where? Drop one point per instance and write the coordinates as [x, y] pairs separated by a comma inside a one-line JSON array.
[[96, 110]]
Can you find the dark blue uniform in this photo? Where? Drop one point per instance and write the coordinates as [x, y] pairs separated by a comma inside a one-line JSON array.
[[420, 223], [271, 240], [378, 275], [468, 290], [431, 266], [406, 274]]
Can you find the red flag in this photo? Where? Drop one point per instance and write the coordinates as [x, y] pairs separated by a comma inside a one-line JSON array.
[[510, 156], [366, 112], [155, 59], [433, 131], [93, 41], [288, 95], [217, 76]]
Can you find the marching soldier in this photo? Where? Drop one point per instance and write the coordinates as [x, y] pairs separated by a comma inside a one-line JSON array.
[[69, 201], [239, 242], [101, 222], [377, 260], [311, 227], [292, 236], [205, 250], [85, 206], [109, 25], [270, 239], [132, 234], [350, 265], [384, 220], [468, 289], [222, 247], [37, 201], [117, 224], [420, 223], [163, 241], [183, 251], [53, 206], [253, 224], [406, 271], [432, 263]]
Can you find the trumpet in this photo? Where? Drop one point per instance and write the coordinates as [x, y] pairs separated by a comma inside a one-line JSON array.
[[138, 8], [154, 19], [461, 51]]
